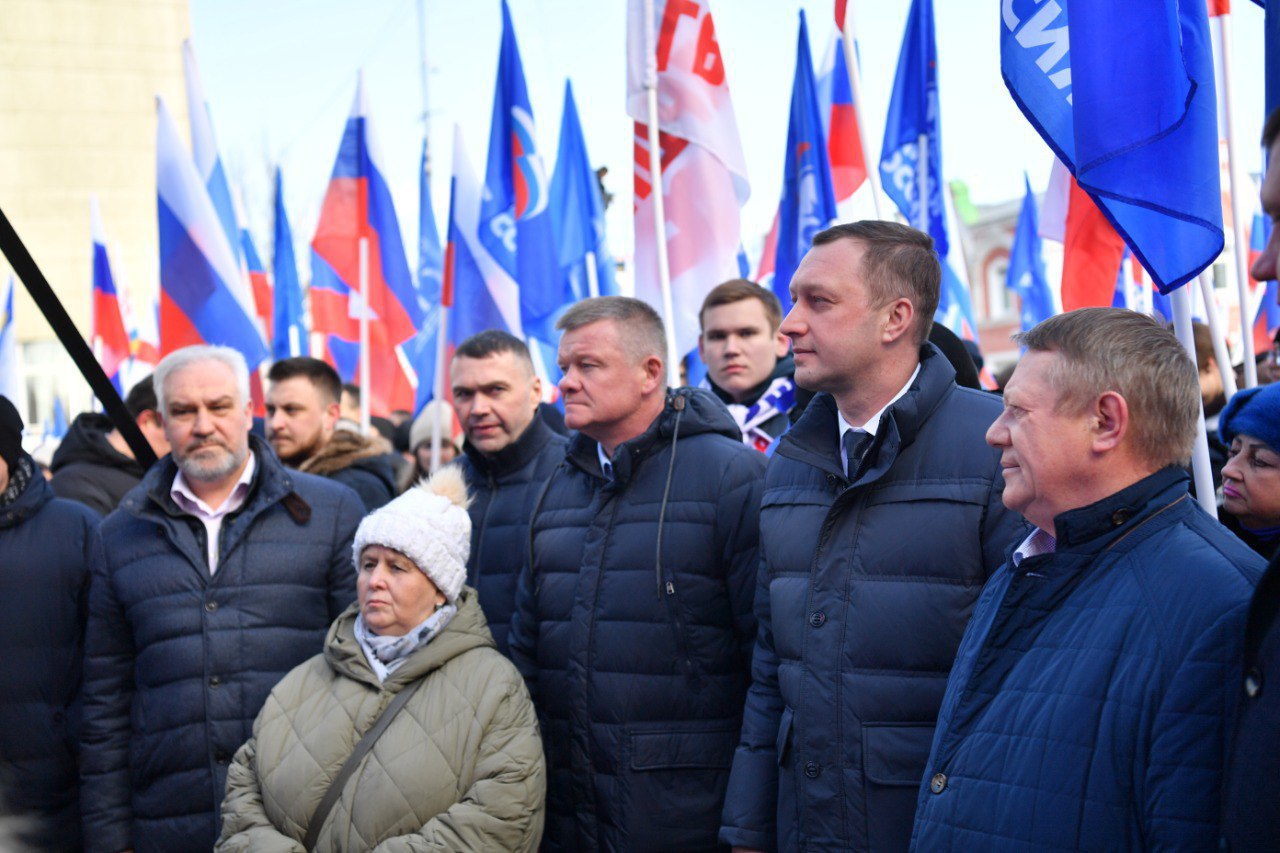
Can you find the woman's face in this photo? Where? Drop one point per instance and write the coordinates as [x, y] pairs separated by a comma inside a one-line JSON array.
[[394, 595], [1251, 483]]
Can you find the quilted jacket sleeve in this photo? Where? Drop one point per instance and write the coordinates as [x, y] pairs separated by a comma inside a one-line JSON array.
[[522, 640], [245, 825], [750, 806], [108, 700], [342, 572], [1185, 753], [504, 808]]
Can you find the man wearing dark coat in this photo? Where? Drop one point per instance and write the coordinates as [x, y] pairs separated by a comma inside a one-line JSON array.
[[94, 465], [633, 623], [218, 574], [1251, 811], [44, 589], [509, 453], [302, 426], [1087, 707], [880, 520]]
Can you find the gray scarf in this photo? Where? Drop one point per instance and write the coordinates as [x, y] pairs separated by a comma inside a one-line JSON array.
[[386, 653]]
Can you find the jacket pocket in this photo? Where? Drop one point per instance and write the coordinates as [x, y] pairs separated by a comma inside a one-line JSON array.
[[894, 758], [675, 787], [784, 734]]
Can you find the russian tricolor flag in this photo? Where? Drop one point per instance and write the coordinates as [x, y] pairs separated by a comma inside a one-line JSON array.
[[1267, 320], [203, 297], [259, 283], [110, 340], [358, 205]]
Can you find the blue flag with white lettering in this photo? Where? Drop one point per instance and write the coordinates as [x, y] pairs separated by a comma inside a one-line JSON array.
[[515, 215], [1124, 95], [808, 199], [912, 149], [1026, 276], [579, 211]]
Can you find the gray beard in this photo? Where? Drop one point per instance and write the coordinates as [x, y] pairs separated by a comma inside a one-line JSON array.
[[207, 472]]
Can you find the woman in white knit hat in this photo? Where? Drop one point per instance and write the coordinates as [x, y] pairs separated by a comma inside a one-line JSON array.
[[410, 731]]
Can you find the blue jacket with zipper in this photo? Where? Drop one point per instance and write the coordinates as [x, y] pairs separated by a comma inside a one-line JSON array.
[[633, 628], [865, 589], [1089, 699], [178, 662]]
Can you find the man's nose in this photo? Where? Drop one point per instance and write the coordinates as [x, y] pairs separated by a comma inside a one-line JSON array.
[[791, 325], [1264, 266]]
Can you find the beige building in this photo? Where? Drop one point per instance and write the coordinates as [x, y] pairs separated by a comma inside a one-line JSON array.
[[78, 80]]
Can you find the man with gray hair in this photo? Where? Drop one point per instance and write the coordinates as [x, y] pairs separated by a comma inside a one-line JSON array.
[[633, 623], [219, 573], [1087, 706]]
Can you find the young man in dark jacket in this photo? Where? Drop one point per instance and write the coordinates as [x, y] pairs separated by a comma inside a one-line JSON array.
[[508, 456], [1087, 706], [880, 520], [633, 621], [94, 465], [44, 589], [218, 574], [302, 413]]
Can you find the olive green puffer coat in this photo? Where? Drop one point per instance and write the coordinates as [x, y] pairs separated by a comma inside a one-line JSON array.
[[460, 768]]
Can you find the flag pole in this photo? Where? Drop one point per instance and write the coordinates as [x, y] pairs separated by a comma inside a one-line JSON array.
[[1200, 450], [365, 389], [848, 39], [437, 380], [1241, 250], [922, 181], [1220, 352], [655, 183], [593, 278]]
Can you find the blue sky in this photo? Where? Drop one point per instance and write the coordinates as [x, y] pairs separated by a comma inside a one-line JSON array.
[[280, 77]]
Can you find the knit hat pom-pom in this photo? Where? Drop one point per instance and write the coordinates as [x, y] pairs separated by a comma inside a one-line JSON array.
[[449, 484]]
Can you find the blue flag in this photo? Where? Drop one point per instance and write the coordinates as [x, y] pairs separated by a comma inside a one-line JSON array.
[[1026, 276], [912, 149], [515, 214], [289, 336], [423, 347], [579, 211], [808, 199], [1124, 95]]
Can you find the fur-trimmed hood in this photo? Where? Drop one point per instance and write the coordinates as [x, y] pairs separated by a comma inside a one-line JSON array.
[[343, 450]]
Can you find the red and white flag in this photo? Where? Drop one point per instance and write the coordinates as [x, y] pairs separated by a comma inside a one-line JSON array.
[[1091, 249], [704, 175]]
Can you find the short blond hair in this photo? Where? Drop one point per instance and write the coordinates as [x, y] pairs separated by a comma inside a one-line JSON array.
[[1115, 349], [640, 329]]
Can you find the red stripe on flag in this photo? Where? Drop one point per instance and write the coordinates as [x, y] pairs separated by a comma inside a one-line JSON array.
[[844, 150], [1092, 253], [446, 287], [1219, 7], [176, 330], [841, 9]]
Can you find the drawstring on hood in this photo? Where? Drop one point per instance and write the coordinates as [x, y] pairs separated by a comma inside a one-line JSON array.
[[678, 404]]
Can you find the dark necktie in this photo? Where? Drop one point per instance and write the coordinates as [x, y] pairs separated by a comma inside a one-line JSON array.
[[856, 443]]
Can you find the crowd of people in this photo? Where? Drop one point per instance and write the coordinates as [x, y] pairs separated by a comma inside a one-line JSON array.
[[835, 598]]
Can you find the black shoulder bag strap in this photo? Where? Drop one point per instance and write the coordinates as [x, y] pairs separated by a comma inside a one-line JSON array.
[[353, 761]]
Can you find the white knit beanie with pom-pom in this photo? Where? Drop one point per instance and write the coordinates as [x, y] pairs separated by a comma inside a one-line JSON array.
[[429, 525]]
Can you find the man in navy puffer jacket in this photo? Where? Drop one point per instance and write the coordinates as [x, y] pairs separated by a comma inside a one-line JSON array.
[[44, 590], [633, 623], [880, 520], [1088, 703], [219, 573], [508, 456]]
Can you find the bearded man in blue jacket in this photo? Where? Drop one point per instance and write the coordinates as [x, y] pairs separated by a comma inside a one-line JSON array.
[[1087, 706]]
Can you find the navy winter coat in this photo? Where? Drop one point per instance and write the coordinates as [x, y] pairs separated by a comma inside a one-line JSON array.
[[503, 488], [178, 663], [865, 589], [44, 591], [1088, 703], [634, 630], [1251, 813], [86, 468]]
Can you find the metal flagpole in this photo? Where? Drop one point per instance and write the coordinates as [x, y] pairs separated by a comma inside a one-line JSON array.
[[1221, 355], [922, 180], [1241, 251], [593, 278], [1200, 469], [848, 38], [437, 382], [656, 190], [364, 336]]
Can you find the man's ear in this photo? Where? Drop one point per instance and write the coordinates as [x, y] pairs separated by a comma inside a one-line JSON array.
[[332, 412], [1110, 422], [899, 319], [655, 374], [781, 345], [535, 390]]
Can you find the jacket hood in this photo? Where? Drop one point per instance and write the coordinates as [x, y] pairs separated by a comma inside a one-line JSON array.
[[467, 630], [37, 493], [691, 411], [86, 442], [346, 449]]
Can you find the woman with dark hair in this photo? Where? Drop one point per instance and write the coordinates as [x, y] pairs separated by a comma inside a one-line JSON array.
[[1250, 428]]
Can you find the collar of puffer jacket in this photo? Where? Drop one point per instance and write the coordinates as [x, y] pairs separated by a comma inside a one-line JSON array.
[[1091, 528], [466, 631], [515, 455]]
